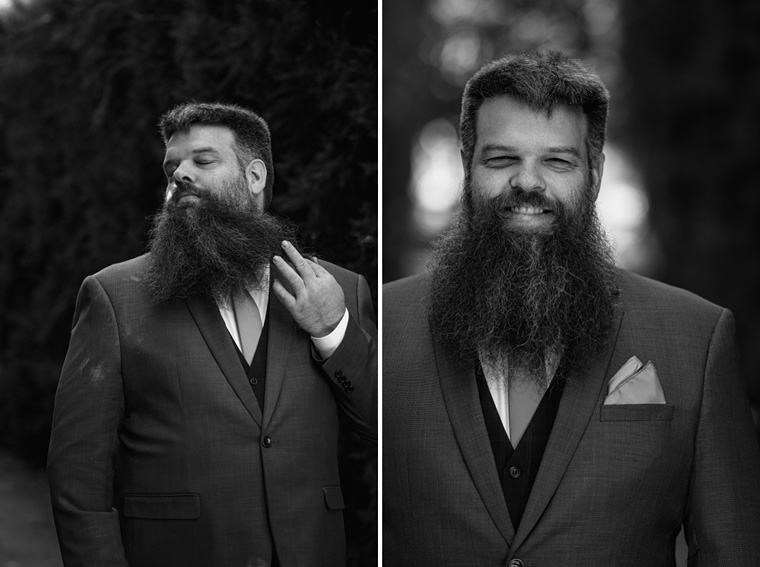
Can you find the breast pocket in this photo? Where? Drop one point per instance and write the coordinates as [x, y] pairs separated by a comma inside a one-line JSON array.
[[637, 412]]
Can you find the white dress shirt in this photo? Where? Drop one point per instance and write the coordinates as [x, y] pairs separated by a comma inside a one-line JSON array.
[[497, 378]]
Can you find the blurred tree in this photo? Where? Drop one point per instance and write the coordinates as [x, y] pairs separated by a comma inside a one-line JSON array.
[[430, 49], [692, 82], [83, 85]]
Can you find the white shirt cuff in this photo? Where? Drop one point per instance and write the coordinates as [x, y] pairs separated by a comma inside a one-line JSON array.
[[328, 344]]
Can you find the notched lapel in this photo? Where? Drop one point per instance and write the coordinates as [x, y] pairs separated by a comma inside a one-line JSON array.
[[576, 408], [460, 394], [282, 329], [214, 331]]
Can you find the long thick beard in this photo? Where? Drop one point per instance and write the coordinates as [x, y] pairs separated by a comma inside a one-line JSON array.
[[211, 248], [500, 292]]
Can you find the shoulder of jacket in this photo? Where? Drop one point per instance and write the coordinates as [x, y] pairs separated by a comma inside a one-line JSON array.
[[132, 270], [637, 290], [335, 270], [410, 289]]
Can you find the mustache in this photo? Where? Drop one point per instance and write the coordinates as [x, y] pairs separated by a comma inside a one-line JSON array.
[[520, 198], [183, 188]]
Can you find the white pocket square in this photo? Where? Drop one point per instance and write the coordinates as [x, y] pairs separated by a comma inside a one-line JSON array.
[[635, 383]]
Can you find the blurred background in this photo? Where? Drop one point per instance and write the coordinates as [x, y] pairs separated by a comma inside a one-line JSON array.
[[680, 194], [82, 85]]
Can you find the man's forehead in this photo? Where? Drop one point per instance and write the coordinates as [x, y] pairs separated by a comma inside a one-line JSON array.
[[213, 136], [505, 117]]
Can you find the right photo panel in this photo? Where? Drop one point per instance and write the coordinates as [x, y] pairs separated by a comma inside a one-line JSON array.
[[569, 305]]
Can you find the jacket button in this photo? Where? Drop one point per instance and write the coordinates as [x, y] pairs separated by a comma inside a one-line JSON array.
[[338, 374], [515, 563], [267, 441], [515, 472]]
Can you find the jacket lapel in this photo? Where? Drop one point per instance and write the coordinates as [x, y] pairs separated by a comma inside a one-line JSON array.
[[211, 325], [460, 395], [282, 329], [576, 407]]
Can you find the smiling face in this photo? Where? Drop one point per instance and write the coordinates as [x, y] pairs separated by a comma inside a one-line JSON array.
[[204, 158], [532, 161]]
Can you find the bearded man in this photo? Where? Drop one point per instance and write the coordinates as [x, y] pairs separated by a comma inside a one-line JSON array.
[[196, 418], [542, 407]]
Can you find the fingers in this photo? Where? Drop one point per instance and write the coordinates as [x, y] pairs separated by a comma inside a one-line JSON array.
[[285, 297], [289, 275], [302, 270], [319, 271], [308, 291], [302, 266]]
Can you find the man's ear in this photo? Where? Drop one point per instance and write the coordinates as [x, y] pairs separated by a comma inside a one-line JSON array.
[[464, 161], [256, 179], [596, 176]]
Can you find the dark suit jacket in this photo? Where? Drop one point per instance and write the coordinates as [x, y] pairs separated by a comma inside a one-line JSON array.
[[160, 454], [616, 482]]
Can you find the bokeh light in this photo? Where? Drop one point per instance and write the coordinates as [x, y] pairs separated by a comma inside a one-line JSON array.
[[436, 176]]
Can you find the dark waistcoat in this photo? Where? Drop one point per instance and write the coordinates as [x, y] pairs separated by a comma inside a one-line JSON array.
[[257, 370], [517, 467], [256, 374]]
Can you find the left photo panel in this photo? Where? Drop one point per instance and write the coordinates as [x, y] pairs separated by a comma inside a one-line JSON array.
[[188, 283]]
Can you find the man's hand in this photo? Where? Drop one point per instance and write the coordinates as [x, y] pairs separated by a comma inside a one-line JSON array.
[[312, 296]]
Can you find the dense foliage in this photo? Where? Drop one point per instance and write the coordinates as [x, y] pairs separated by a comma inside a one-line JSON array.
[[82, 84]]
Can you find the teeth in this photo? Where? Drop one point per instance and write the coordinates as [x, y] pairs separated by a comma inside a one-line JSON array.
[[527, 210]]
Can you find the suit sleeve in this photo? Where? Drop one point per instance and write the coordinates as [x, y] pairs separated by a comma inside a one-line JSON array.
[[723, 510], [353, 366], [89, 406]]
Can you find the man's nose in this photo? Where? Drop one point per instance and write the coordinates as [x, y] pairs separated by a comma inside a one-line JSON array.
[[183, 174], [527, 177]]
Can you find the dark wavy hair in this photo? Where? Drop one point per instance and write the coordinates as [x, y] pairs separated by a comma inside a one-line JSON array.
[[252, 138], [541, 80]]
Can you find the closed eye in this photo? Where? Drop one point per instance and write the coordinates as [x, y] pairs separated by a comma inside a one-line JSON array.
[[563, 164], [500, 161]]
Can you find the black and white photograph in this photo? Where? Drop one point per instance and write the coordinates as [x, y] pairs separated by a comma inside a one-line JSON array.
[[188, 270]]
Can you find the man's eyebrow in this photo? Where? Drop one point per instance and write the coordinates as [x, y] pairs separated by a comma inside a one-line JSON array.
[[204, 150], [493, 147], [565, 150]]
